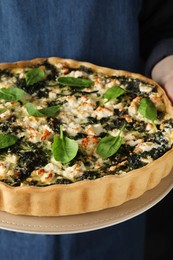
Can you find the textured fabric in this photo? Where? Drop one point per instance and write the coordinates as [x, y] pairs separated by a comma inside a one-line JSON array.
[[124, 241], [95, 31], [156, 24], [105, 33]]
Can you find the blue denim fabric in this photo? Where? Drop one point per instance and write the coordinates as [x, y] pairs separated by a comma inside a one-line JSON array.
[[105, 33], [124, 241], [98, 31]]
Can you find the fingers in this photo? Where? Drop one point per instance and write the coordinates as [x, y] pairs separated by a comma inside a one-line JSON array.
[[163, 74], [168, 86]]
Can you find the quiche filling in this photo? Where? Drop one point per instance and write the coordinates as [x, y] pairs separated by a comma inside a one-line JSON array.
[[60, 125]]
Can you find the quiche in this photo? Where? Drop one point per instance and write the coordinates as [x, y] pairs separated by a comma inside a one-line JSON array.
[[77, 138]]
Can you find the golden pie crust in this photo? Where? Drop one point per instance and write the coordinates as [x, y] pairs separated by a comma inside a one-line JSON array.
[[88, 195]]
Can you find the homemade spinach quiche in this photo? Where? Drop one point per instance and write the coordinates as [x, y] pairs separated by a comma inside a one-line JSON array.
[[76, 137]]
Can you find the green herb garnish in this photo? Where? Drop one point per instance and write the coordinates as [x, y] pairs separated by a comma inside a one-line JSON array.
[[75, 82], [64, 149], [7, 140], [48, 111], [113, 93], [147, 109], [2, 110], [35, 75], [109, 145], [12, 94]]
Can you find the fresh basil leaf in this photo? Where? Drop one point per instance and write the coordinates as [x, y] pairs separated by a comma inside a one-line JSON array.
[[7, 140], [113, 93], [35, 75], [75, 82], [109, 145], [48, 111], [147, 109], [64, 149], [11, 94]]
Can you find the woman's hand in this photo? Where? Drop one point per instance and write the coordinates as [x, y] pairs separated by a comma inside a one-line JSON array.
[[163, 74]]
